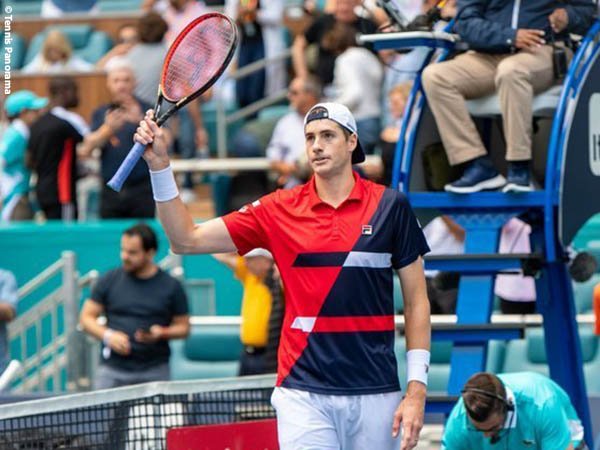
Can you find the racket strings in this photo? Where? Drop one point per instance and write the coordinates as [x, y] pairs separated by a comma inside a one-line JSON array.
[[198, 57]]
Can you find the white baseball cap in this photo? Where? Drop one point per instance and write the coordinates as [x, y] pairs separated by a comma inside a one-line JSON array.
[[258, 252], [343, 117]]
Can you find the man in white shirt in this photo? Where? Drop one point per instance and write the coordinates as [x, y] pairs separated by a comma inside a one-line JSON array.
[[286, 146]]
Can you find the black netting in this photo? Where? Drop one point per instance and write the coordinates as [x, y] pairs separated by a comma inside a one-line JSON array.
[[138, 424]]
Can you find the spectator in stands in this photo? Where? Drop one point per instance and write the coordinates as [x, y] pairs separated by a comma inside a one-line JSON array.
[[516, 292], [8, 311], [52, 150], [286, 148], [397, 99], [147, 57], [275, 286], [356, 67], [144, 308], [192, 138], [516, 410], [403, 67], [181, 12], [511, 55], [323, 64], [252, 271], [58, 8], [446, 237], [22, 108], [261, 36], [127, 37], [113, 126], [57, 56]]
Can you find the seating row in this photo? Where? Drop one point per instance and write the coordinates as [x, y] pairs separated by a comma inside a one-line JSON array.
[[87, 43], [34, 7], [213, 352], [583, 293]]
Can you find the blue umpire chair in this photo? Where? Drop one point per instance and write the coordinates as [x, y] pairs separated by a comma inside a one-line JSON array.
[[556, 211]]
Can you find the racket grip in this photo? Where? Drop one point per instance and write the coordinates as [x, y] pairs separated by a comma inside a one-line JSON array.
[[116, 182]]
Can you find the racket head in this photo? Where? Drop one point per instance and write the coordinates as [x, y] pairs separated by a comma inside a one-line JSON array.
[[198, 57]]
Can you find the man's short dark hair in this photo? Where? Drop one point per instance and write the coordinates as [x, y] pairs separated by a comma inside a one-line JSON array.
[[59, 84], [480, 406], [152, 28], [146, 234]]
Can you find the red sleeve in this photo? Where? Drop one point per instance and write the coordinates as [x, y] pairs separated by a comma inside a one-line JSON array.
[[248, 226]]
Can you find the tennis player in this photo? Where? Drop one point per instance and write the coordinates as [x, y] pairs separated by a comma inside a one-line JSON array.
[[335, 240], [522, 410]]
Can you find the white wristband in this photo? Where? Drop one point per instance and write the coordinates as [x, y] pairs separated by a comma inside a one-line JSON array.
[[417, 365], [106, 336], [164, 187]]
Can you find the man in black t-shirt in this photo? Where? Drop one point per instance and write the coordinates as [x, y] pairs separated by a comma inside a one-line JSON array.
[[113, 128], [344, 12], [52, 151], [144, 308]]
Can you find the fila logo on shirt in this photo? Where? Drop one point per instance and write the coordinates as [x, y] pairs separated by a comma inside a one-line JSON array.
[[367, 230]]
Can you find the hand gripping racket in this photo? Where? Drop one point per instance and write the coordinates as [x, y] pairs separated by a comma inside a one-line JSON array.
[[195, 60]]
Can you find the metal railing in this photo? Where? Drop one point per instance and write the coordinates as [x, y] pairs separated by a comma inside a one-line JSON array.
[[54, 349], [52, 355], [224, 120]]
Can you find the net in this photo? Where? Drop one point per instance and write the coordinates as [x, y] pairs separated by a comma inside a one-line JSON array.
[[199, 54], [134, 417]]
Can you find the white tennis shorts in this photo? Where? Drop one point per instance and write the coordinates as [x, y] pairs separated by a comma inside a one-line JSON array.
[[308, 421]]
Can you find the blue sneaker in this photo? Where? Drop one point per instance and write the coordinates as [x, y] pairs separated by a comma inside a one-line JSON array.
[[478, 176], [519, 177]]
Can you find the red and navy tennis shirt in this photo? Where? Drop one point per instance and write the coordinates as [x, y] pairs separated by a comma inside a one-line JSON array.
[[336, 265]]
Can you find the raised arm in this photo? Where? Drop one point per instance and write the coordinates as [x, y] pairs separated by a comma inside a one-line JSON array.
[[184, 235]]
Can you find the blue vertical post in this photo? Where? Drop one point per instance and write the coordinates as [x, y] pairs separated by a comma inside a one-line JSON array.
[[475, 296], [563, 348]]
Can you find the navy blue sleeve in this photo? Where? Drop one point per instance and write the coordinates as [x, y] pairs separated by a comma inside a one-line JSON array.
[[581, 15], [179, 300], [100, 291], [98, 118], [479, 32], [409, 240]]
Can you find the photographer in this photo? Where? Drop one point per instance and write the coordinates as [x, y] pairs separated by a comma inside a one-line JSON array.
[[114, 125], [513, 49]]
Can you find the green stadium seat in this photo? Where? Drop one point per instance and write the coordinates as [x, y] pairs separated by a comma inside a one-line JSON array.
[[19, 47], [119, 5], [529, 354], [26, 7], [398, 299], [209, 117], [584, 294], [208, 352], [87, 42], [273, 112]]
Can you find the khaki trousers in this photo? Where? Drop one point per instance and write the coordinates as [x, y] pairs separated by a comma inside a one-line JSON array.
[[515, 77]]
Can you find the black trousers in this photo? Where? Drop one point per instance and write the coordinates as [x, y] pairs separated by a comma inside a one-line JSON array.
[[252, 361], [133, 201]]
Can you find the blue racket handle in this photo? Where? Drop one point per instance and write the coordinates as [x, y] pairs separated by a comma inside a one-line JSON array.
[[134, 155]]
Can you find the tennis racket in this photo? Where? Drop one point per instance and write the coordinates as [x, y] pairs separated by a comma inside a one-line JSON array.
[[195, 60]]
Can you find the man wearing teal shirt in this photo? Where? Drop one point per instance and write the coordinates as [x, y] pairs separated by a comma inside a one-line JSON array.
[[523, 410], [22, 108]]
